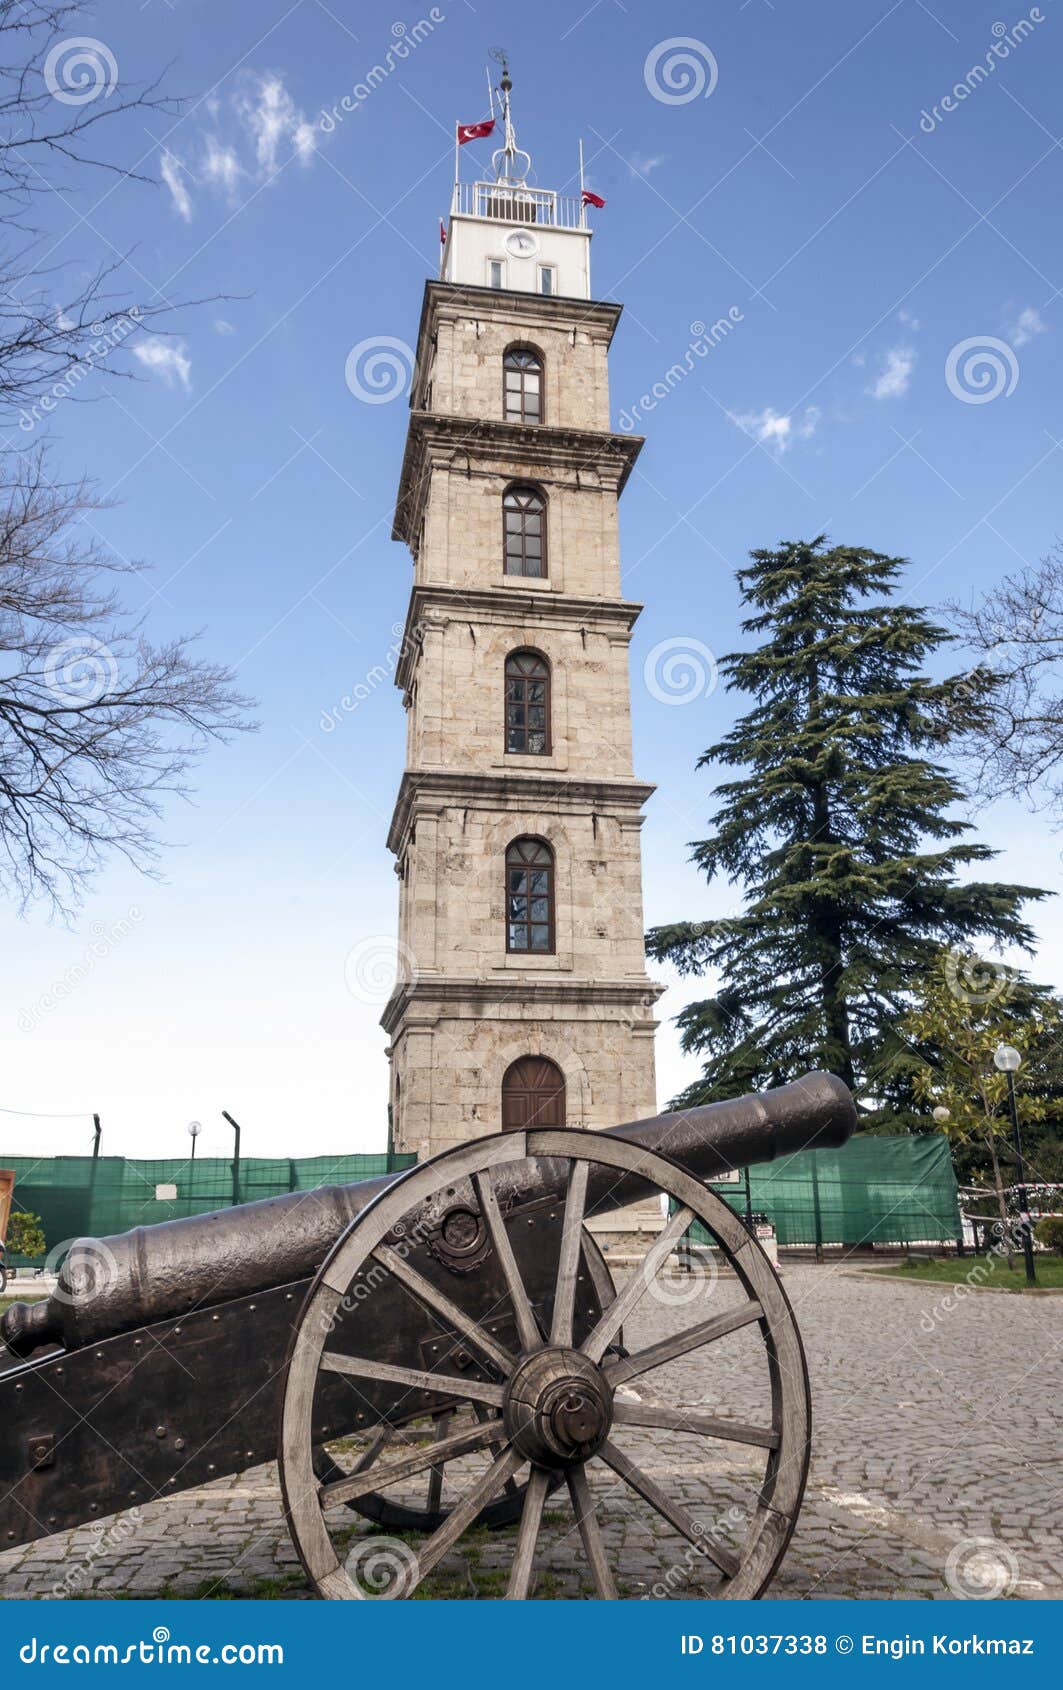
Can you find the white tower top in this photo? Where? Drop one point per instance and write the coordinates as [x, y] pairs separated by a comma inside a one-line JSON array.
[[506, 234]]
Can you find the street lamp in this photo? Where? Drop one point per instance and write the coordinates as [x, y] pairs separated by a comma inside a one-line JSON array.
[[1008, 1061], [941, 1114], [194, 1130]]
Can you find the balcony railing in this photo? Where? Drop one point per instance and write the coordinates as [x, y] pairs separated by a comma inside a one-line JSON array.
[[506, 202]]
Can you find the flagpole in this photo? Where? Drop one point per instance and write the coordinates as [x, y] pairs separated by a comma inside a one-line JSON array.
[[457, 155], [582, 202]]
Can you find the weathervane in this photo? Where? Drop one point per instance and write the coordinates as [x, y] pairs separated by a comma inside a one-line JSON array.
[[504, 161]]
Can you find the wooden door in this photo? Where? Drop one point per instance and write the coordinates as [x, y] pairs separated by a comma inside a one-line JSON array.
[[533, 1094]]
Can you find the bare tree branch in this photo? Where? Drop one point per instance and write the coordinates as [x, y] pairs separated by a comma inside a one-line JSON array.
[[97, 725], [1013, 736]]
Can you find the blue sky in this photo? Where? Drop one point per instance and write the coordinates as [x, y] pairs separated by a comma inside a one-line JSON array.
[[864, 247]]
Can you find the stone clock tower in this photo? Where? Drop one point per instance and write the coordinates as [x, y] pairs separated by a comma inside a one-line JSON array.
[[523, 995]]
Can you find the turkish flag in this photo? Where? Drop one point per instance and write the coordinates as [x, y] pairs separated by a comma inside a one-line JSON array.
[[592, 199], [442, 233], [474, 131]]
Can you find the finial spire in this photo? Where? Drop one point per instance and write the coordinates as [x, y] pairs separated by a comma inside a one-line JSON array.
[[511, 164]]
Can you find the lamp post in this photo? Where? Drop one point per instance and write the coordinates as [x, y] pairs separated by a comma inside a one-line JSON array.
[[1008, 1060], [194, 1130], [942, 1115]]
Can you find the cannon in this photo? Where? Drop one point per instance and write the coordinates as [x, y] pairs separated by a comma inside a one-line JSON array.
[[438, 1350]]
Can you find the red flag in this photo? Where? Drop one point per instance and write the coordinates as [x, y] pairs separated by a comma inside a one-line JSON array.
[[442, 233], [592, 199], [474, 131]]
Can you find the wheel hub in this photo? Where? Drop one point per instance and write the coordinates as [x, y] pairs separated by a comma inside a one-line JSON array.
[[558, 1408]]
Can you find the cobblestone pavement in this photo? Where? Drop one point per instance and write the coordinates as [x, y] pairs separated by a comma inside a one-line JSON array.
[[936, 1470]]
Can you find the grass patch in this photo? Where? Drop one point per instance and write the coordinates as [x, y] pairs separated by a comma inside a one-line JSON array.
[[981, 1270]]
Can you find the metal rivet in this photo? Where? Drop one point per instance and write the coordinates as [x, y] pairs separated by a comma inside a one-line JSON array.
[[249, 1453], [210, 1467], [160, 1431], [94, 1507], [215, 1317], [179, 1443]]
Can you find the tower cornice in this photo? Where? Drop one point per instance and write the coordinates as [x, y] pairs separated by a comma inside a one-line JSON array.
[[498, 305], [503, 606], [454, 441], [432, 995], [517, 789]]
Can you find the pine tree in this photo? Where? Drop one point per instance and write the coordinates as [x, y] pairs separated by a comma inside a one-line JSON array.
[[841, 830]]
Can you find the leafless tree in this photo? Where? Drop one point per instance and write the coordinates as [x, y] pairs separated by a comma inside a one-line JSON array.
[[1014, 739], [97, 724]]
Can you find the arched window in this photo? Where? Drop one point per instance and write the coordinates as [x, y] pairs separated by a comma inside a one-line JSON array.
[[524, 527], [527, 704], [530, 897], [522, 385], [533, 1094]]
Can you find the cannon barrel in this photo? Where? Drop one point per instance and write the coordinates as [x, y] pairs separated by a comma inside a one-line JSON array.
[[112, 1285]]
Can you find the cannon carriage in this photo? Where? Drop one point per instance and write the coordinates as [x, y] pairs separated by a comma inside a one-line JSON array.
[[467, 1295]]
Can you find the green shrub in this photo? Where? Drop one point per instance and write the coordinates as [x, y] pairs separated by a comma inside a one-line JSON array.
[[1050, 1232], [25, 1235]]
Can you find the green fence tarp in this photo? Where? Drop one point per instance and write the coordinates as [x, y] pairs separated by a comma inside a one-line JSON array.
[[874, 1190], [77, 1197]]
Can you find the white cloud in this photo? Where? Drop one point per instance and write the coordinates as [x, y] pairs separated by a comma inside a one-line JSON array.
[[640, 164], [896, 373], [767, 427], [909, 321], [810, 422], [1026, 325], [167, 359], [172, 171], [223, 326], [272, 118], [221, 165]]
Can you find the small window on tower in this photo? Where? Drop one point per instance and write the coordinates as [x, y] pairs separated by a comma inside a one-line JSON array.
[[522, 385], [530, 896], [547, 279], [495, 272], [527, 704], [524, 531]]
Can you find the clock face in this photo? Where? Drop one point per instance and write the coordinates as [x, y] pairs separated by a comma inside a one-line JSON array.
[[522, 244]]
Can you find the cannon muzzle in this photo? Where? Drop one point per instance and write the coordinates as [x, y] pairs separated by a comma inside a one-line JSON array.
[[113, 1285]]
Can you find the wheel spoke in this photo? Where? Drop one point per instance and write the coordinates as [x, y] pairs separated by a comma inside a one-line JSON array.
[[527, 1325], [443, 1384], [673, 1512], [678, 1345], [568, 1262], [385, 1473], [631, 1412], [614, 1316], [528, 1535], [461, 1517], [590, 1532], [426, 1293], [435, 1477]]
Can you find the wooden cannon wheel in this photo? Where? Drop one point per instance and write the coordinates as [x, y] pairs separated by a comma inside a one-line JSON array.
[[552, 1408], [400, 1516]]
